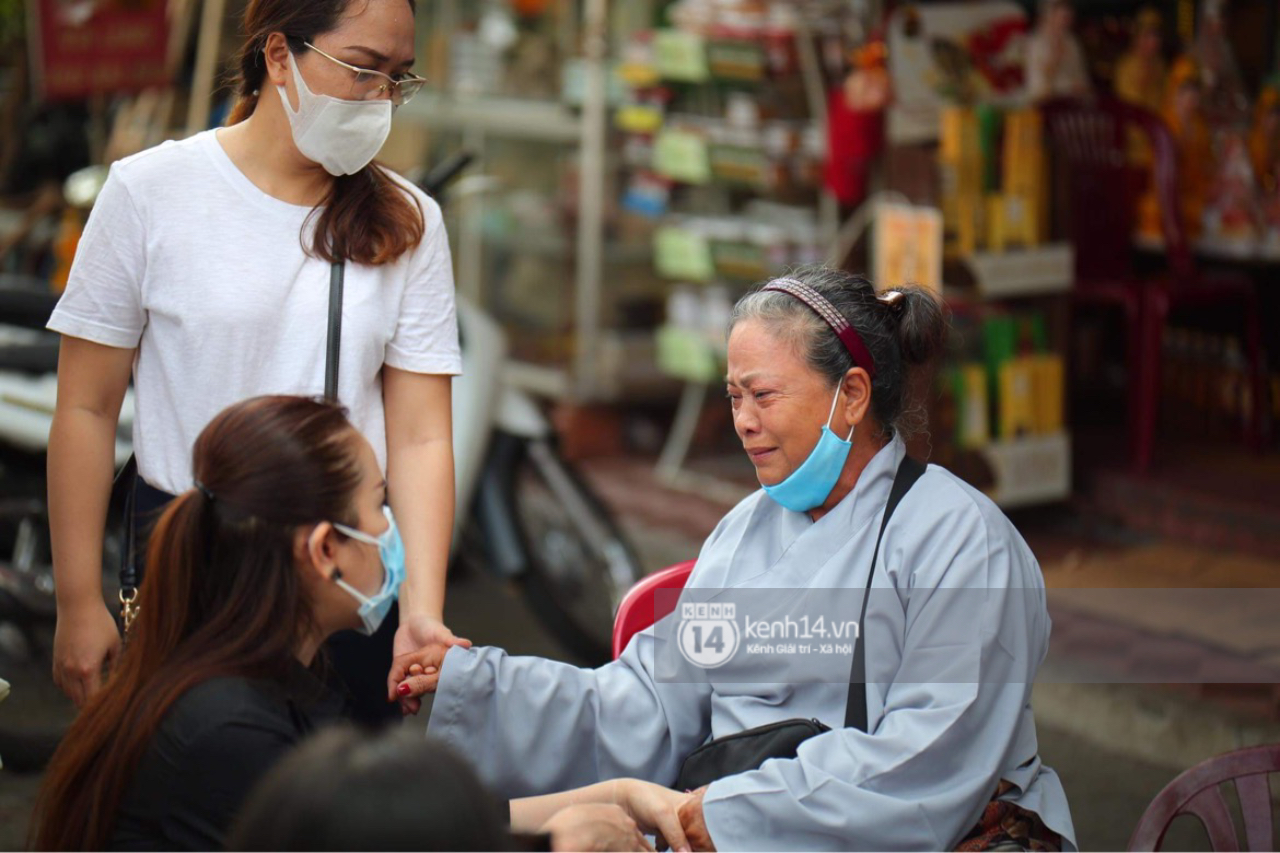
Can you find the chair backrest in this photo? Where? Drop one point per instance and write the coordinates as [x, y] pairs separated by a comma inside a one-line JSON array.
[[1090, 142], [640, 608], [1197, 792]]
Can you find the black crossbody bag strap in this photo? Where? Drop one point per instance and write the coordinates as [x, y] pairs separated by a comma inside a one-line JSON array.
[[855, 711], [337, 274]]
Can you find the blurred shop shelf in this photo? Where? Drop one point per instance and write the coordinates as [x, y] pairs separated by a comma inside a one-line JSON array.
[[1041, 271], [615, 251], [513, 117], [1030, 470]]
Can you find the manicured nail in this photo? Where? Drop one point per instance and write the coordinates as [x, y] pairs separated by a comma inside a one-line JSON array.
[[403, 690]]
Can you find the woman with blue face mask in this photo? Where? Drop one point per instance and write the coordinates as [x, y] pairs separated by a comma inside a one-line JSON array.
[[904, 621], [204, 276], [284, 540]]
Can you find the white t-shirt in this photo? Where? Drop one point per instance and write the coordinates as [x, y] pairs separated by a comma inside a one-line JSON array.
[[186, 259]]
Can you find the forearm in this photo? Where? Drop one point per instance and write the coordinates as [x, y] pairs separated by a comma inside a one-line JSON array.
[[530, 814], [421, 489], [80, 467]]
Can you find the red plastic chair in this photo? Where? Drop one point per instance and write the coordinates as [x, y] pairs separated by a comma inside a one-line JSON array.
[[1197, 792], [1091, 140], [640, 608]]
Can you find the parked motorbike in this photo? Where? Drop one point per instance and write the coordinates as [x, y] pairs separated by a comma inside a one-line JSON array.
[[523, 514]]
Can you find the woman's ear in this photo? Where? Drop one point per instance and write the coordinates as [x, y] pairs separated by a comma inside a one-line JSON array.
[[317, 549], [857, 396], [276, 56]]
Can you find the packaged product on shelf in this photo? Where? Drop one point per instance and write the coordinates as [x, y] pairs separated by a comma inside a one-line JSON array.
[[738, 57], [1017, 399], [1232, 212], [970, 390], [682, 153], [1049, 389], [647, 194], [639, 65], [779, 36], [682, 250], [680, 55], [684, 307], [771, 241]]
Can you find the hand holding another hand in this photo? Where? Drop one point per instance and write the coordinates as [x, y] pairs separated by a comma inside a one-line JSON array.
[[420, 646], [694, 822], [595, 827]]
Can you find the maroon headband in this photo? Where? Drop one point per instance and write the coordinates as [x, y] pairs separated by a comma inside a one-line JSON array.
[[833, 318]]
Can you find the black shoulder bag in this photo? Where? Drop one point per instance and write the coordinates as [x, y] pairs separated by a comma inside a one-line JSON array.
[[748, 750]]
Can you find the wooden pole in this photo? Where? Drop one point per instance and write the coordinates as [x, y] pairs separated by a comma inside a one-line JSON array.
[[207, 56]]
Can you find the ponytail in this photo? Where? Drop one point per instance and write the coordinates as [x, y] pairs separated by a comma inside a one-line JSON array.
[[222, 596], [921, 323]]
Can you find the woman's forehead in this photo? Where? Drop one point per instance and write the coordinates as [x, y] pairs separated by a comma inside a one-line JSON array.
[[383, 25], [756, 353]]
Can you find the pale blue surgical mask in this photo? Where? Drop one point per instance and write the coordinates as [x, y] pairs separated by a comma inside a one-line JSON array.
[[811, 484], [373, 610]]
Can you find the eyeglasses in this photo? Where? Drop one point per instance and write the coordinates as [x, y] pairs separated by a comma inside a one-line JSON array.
[[370, 85]]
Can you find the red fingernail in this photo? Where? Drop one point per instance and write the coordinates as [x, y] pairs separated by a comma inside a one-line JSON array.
[[403, 690]]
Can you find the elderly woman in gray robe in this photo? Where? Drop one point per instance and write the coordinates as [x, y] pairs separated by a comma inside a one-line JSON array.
[[955, 625]]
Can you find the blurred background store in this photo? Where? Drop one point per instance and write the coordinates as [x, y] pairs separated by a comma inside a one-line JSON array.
[[1093, 186]]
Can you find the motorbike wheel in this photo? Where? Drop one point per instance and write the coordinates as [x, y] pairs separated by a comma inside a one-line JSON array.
[[579, 564]]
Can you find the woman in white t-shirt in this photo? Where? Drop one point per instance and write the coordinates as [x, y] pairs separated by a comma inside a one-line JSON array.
[[204, 273]]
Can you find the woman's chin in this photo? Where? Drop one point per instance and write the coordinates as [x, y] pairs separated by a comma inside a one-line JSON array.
[[767, 475]]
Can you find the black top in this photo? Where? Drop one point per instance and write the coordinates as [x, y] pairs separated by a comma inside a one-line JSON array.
[[212, 746]]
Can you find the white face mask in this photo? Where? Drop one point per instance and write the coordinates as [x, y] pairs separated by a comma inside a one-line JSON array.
[[342, 136]]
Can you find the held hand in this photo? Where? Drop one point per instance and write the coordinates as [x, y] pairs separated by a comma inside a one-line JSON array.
[[595, 827], [420, 641], [656, 810], [694, 823], [85, 642]]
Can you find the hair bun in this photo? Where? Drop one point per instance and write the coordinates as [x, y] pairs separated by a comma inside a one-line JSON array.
[[894, 300]]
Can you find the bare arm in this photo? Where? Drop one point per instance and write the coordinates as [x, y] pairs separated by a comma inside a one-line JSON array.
[[92, 380], [421, 489], [655, 809]]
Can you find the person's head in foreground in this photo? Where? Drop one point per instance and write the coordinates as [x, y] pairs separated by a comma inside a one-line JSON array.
[[346, 790], [284, 540]]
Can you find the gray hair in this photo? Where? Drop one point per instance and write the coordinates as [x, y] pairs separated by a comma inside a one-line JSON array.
[[900, 334]]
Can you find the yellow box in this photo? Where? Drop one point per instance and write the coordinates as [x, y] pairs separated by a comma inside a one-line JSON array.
[[1050, 390], [973, 428], [1017, 398]]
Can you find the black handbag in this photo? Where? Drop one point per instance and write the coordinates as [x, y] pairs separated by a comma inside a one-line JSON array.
[[748, 750]]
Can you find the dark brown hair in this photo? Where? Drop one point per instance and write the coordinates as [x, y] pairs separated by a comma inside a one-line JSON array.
[[222, 597], [903, 332], [367, 217], [346, 790]]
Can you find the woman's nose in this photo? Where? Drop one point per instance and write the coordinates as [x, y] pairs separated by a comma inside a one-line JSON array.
[[745, 421]]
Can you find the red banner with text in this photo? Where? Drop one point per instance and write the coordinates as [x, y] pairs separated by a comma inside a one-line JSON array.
[[88, 47]]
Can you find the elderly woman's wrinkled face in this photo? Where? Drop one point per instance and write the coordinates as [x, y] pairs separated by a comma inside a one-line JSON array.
[[779, 403]]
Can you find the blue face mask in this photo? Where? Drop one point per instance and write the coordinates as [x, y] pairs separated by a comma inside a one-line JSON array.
[[391, 550], [810, 484]]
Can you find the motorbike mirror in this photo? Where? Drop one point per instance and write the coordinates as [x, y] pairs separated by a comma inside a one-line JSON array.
[[82, 186]]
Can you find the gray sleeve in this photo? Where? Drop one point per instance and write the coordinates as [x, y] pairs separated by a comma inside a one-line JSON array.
[[535, 726], [920, 778]]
